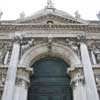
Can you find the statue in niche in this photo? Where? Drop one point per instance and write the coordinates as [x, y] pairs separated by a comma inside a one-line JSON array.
[[3, 50], [97, 54], [1, 13], [98, 58]]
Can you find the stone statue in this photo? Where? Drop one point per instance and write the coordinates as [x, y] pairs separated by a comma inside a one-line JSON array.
[[77, 15], [49, 4], [1, 13], [22, 15], [98, 15]]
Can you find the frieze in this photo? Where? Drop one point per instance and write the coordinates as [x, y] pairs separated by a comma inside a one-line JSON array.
[[26, 27]]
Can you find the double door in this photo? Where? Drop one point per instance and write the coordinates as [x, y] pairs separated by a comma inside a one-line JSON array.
[[50, 81]]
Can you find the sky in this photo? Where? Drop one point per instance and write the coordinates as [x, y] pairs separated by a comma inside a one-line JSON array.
[[12, 8]]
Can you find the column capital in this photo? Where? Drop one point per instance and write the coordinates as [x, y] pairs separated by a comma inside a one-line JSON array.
[[77, 76], [21, 82], [82, 38], [18, 38], [76, 66], [23, 77]]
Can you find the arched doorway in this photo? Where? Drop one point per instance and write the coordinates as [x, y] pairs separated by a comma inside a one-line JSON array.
[[50, 81]]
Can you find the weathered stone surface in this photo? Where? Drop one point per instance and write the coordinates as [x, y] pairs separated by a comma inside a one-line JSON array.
[[49, 33]]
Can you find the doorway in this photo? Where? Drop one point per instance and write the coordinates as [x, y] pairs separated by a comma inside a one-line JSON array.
[[50, 80]]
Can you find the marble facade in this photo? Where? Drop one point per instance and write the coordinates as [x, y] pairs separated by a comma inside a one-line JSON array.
[[54, 33]]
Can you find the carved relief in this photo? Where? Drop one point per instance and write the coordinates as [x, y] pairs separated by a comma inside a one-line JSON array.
[[5, 47], [77, 76]]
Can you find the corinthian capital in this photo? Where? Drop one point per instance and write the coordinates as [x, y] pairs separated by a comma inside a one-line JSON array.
[[77, 76]]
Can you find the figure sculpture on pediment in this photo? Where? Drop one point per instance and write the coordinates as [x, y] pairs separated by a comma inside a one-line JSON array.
[[22, 15], [77, 15], [49, 4], [98, 15], [1, 13]]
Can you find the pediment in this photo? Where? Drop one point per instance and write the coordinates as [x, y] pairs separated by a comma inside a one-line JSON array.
[[55, 16]]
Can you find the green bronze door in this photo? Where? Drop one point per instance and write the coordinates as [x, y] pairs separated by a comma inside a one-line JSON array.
[[50, 81]]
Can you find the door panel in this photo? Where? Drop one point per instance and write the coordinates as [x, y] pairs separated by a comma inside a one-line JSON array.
[[50, 81]]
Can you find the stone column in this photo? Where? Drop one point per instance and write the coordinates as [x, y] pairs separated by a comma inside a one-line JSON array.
[[77, 83], [22, 83], [11, 73], [91, 88]]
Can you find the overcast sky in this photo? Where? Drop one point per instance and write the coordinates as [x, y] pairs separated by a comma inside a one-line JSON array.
[[87, 8]]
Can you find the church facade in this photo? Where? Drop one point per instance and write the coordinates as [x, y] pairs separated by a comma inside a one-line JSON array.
[[50, 55]]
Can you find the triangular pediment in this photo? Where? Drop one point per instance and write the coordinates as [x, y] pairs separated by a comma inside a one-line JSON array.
[[51, 15]]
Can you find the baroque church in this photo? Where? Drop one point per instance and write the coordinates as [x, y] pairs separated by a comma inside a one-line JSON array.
[[50, 55]]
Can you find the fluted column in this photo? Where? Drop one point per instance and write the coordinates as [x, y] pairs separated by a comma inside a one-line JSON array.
[[11, 73], [22, 83], [91, 88], [77, 83]]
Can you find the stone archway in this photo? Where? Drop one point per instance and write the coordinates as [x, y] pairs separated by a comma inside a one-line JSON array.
[[56, 50], [50, 80]]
